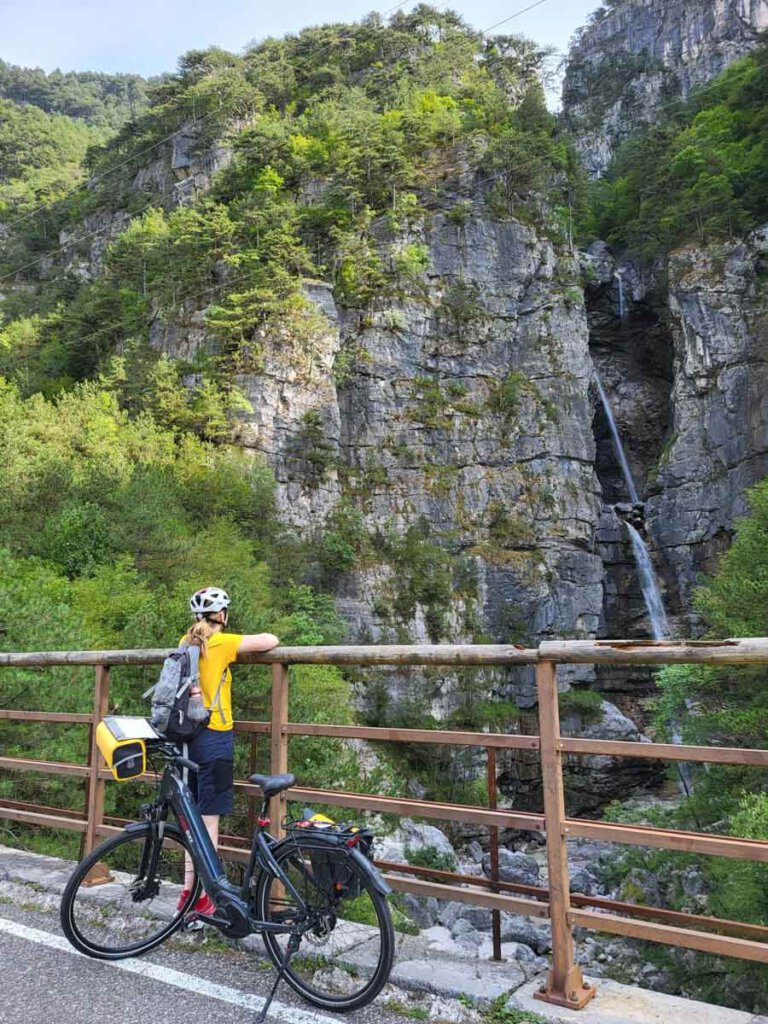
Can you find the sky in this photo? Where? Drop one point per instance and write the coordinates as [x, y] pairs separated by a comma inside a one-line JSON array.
[[147, 36]]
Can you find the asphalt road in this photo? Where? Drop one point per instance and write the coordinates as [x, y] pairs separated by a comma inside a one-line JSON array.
[[43, 980]]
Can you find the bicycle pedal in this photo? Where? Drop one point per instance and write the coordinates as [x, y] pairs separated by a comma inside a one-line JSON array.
[[201, 920], [192, 924]]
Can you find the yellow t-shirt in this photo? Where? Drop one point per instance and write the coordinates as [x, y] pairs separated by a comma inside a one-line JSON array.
[[220, 652]]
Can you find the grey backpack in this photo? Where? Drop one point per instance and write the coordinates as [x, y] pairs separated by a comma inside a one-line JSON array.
[[176, 714]]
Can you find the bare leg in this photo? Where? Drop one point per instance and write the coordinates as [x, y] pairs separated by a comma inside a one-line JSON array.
[[212, 824]]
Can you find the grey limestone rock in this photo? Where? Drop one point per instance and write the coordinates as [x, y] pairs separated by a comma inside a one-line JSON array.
[[423, 910], [466, 934], [719, 437], [637, 55], [454, 979], [418, 837], [526, 931], [583, 881], [514, 867]]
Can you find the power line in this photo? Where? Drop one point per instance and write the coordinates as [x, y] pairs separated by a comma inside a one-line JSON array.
[[511, 17]]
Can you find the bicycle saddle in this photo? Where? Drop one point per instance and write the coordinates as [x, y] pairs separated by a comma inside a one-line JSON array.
[[273, 784]]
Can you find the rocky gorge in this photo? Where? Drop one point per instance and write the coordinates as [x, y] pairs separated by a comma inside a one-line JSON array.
[[475, 425], [452, 435], [469, 419]]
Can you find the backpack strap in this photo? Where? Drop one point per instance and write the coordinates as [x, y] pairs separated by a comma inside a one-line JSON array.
[[194, 664], [217, 697]]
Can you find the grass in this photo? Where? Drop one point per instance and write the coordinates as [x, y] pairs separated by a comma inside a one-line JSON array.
[[500, 1013], [430, 857], [411, 1012], [50, 842], [27, 905], [585, 703], [211, 942]]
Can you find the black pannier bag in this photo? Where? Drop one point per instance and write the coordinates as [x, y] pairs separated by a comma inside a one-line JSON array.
[[339, 878]]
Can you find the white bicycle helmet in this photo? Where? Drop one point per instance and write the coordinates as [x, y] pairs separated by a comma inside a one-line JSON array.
[[208, 600]]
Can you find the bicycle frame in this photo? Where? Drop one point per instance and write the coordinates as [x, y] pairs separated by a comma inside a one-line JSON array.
[[228, 898], [333, 866]]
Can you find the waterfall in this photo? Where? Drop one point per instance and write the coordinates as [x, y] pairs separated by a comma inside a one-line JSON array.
[[648, 585], [618, 446], [622, 304], [645, 570]]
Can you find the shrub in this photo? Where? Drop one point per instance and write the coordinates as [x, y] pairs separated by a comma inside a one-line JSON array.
[[431, 857]]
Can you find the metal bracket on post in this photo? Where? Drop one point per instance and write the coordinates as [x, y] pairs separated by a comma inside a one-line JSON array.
[[565, 985]]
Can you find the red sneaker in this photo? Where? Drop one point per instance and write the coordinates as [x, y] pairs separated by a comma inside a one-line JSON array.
[[205, 906], [182, 899]]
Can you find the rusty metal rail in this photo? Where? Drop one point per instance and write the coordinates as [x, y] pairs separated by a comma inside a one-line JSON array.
[[565, 985]]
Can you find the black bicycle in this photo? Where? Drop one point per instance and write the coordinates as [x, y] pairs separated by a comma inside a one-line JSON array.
[[314, 895]]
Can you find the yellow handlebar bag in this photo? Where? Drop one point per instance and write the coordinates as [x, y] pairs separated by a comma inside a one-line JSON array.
[[123, 744]]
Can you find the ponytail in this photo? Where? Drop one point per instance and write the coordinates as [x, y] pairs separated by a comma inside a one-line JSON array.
[[199, 633]]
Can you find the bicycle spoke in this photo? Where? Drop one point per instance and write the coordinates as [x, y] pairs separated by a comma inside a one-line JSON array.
[[125, 911], [345, 948]]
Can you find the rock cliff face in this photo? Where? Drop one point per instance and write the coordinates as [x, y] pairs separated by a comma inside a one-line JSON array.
[[678, 343], [685, 371], [718, 445], [463, 404], [182, 169], [636, 56], [450, 437]]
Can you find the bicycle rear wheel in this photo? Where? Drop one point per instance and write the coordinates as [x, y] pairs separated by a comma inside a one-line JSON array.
[[345, 956], [116, 905]]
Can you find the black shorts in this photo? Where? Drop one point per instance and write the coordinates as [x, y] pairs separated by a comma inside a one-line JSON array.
[[213, 786]]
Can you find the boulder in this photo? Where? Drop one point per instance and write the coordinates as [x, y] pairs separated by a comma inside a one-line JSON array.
[[515, 928], [583, 881], [422, 910], [514, 867], [475, 851], [449, 911], [419, 837], [478, 917], [466, 934]]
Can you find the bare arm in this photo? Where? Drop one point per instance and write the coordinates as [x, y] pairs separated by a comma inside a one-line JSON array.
[[257, 643]]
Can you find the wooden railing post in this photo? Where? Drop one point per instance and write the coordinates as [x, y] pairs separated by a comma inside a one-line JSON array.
[[279, 742], [96, 786], [565, 985]]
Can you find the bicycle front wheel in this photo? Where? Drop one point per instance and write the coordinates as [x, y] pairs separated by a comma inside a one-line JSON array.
[[347, 945], [123, 898]]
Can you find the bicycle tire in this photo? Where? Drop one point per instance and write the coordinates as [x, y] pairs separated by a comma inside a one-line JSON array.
[[108, 919], [351, 949]]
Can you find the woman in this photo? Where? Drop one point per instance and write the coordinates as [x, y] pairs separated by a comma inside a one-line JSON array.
[[213, 750]]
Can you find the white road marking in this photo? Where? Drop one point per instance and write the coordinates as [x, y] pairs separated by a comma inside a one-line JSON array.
[[187, 982]]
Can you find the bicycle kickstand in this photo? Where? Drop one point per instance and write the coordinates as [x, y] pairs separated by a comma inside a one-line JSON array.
[[293, 945]]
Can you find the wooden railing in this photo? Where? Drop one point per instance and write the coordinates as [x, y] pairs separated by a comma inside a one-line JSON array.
[[565, 985]]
